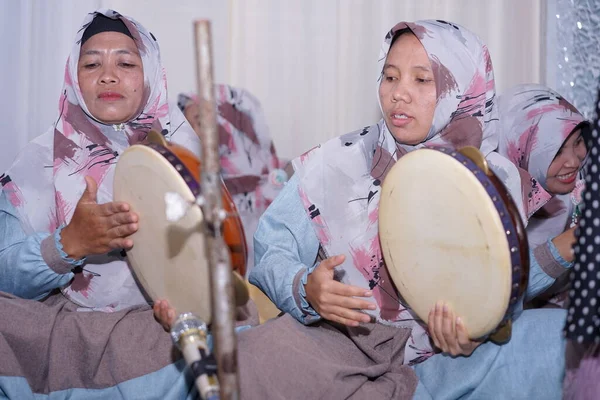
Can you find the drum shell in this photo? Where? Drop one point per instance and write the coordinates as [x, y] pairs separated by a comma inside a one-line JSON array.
[[520, 231], [233, 230]]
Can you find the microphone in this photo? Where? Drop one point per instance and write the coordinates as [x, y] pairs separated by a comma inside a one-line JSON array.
[[189, 334]]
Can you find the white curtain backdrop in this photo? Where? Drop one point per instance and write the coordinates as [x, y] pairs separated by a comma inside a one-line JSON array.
[[35, 41], [312, 63]]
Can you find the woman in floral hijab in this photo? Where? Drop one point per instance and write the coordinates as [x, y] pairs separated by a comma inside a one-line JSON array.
[[60, 226], [436, 88], [114, 93], [543, 135]]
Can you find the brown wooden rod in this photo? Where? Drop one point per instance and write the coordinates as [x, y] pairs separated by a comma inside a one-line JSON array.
[[222, 294]]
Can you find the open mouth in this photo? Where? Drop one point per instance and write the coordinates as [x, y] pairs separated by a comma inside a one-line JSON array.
[[567, 178], [400, 119]]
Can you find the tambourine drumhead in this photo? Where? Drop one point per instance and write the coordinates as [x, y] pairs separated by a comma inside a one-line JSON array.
[[443, 240], [168, 258]]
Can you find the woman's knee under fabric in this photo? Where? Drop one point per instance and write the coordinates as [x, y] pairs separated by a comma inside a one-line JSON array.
[[125, 354], [529, 366]]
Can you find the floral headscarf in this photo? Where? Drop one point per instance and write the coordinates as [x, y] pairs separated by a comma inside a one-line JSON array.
[[535, 121], [250, 168], [340, 180], [47, 178]]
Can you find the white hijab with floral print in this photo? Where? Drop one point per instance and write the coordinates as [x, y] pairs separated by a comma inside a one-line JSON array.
[[535, 122], [251, 170]]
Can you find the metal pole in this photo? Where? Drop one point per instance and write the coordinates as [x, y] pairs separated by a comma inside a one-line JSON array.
[[222, 294]]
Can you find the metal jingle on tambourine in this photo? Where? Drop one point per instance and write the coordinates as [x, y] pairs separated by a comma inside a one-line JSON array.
[[503, 333], [156, 138], [477, 157], [242, 295]]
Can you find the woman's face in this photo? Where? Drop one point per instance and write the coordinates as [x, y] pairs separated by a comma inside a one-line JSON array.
[[407, 92], [562, 172], [111, 77]]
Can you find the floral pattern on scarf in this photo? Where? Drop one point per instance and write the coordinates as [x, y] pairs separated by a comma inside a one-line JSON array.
[[250, 168]]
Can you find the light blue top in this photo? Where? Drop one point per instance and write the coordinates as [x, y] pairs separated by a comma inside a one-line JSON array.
[[24, 270]]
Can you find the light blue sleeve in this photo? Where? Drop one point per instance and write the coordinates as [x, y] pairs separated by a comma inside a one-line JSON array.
[[285, 252], [30, 265], [545, 265]]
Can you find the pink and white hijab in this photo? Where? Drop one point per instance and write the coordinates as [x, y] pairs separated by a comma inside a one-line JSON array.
[[47, 179], [251, 170], [535, 122], [340, 179]]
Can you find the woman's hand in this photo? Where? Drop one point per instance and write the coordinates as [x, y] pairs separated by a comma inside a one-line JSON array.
[[164, 314], [448, 332], [564, 244], [98, 228], [333, 300]]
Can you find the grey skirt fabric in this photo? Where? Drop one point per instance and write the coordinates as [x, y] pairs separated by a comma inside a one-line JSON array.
[[284, 359], [55, 347]]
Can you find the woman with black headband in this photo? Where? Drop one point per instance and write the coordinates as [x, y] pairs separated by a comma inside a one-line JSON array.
[[61, 232], [56, 208]]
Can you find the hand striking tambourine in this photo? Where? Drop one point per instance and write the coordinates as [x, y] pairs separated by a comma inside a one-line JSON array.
[[450, 232], [169, 258]]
